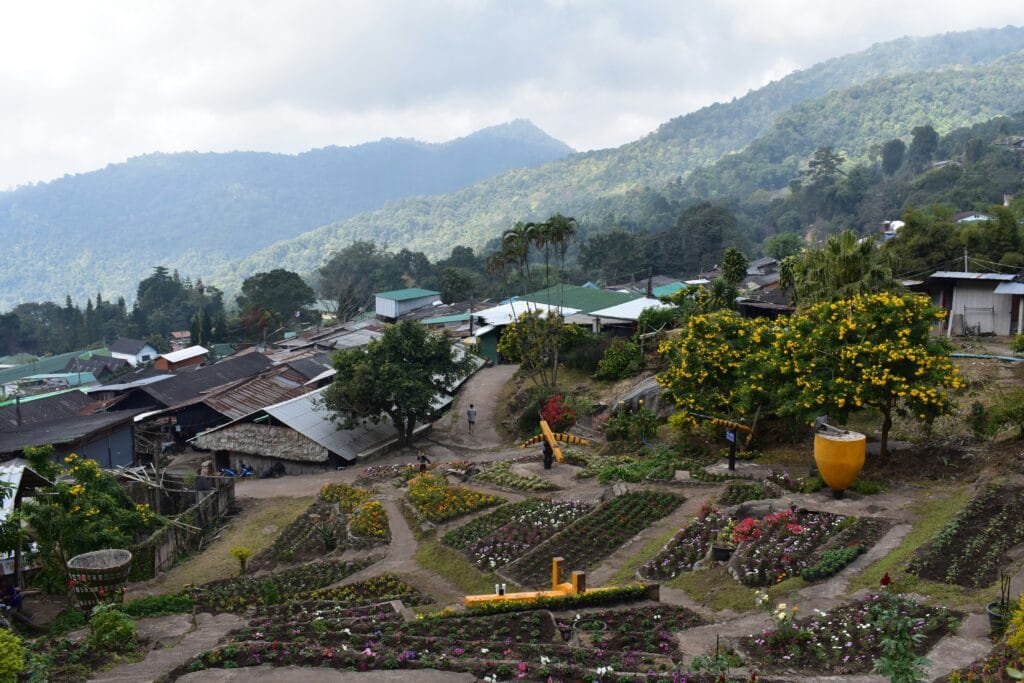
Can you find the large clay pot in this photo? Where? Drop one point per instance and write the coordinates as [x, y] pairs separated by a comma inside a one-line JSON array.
[[840, 458]]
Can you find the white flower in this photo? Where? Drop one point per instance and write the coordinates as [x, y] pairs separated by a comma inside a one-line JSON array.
[[484, 650]]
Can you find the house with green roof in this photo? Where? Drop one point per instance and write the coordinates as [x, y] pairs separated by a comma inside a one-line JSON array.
[[393, 304], [47, 364], [584, 299]]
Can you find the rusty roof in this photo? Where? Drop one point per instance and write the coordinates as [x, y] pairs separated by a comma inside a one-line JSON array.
[[251, 395]]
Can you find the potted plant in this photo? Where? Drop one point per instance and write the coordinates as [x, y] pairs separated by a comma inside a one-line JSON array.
[[999, 612], [724, 543]]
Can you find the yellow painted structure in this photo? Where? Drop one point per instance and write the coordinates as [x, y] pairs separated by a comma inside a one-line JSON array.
[[552, 439], [839, 457], [559, 588]]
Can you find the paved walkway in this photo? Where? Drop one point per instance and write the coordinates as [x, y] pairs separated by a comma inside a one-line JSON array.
[[206, 632]]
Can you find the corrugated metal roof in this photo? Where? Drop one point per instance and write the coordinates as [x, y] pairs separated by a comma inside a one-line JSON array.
[[17, 475], [1010, 288], [54, 406], [960, 275], [441, 320], [630, 310], [184, 354], [183, 387], [506, 313], [406, 294], [49, 364], [59, 432], [252, 395], [583, 299], [668, 290]]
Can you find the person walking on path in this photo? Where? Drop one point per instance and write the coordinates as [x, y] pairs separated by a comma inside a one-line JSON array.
[[471, 417]]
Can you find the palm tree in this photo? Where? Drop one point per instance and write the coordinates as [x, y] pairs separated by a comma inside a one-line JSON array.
[[561, 229], [843, 267], [516, 241], [541, 234]]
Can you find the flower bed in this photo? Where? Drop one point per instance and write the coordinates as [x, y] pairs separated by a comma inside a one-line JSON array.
[[687, 547], [229, 595], [991, 668], [737, 492], [779, 545], [839, 551], [969, 549], [347, 497], [481, 527], [594, 537], [644, 629], [848, 639], [522, 532], [437, 501], [523, 627], [315, 532], [369, 520], [501, 474], [377, 589]]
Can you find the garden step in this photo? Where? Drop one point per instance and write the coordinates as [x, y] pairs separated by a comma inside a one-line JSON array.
[[969, 643]]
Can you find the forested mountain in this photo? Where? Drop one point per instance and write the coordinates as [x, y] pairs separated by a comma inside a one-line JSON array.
[[612, 187], [105, 230]]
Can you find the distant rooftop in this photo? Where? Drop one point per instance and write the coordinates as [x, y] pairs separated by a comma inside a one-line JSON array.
[[582, 299], [184, 354], [406, 294]]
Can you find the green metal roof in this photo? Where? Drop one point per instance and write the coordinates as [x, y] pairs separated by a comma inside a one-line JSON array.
[[72, 378], [668, 290], [35, 397], [17, 359], [441, 320], [406, 294], [584, 299], [49, 364]]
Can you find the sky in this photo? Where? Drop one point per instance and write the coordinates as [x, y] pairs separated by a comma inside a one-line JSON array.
[[87, 83]]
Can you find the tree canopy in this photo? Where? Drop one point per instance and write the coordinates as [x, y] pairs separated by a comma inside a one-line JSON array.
[[398, 377]]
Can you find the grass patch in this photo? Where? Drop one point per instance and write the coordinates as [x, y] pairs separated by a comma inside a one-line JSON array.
[[929, 517], [453, 566], [256, 527], [627, 572], [714, 587]]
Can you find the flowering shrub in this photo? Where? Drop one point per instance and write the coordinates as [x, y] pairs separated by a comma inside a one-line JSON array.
[[370, 520], [12, 656], [347, 497], [621, 359], [687, 547], [557, 414], [436, 501], [848, 639]]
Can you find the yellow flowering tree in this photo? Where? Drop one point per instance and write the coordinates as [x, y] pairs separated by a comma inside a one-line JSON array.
[[871, 350], [716, 366], [85, 510]]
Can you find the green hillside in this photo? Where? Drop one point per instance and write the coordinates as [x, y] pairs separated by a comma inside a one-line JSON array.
[[612, 182], [105, 230]]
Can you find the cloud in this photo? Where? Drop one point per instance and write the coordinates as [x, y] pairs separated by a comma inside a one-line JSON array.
[[85, 84]]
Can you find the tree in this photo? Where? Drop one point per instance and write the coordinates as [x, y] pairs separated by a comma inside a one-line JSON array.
[[871, 350], [516, 241], [281, 291], [397, 376], [922, 147], [892, 156], [845, 266], [533, 342], [734, 266], [784, 244], [456, 284], [711, 370], [823, 165], [352, 275]]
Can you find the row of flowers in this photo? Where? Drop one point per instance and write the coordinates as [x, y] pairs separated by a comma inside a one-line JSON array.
[[779, 545], [523, 532], [437, 501], [688, 547], [347, 497], [595, 536], [501, 474], [377, 589]]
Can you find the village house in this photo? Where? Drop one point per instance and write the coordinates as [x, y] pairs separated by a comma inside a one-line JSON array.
[[135, 351], [976, 303], [393, 304], [177, 360]]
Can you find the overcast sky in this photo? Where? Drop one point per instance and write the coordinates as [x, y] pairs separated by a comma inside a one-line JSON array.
[[84, 84]]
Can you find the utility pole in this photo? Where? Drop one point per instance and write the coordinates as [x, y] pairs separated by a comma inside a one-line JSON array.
[[966, 269]]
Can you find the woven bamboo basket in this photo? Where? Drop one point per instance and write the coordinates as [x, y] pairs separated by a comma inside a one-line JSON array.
[[99, 576]]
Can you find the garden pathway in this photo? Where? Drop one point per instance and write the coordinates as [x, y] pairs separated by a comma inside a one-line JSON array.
[[208, 630]]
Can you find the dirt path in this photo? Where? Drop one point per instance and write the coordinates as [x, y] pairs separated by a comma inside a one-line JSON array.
[[481, 390]]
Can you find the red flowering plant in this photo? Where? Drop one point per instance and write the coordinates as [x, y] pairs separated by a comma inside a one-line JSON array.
[[557, 414]]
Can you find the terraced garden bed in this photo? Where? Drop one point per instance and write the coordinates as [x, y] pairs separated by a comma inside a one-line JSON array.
[[240, 593], [501, 474], [638, 643], [737, 492], [687, 547], [780, 545], [848, 639], [316, 532], [368, 523], [512, 530], [435, 500], [591, 539], [970, 549], [377, 589]]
